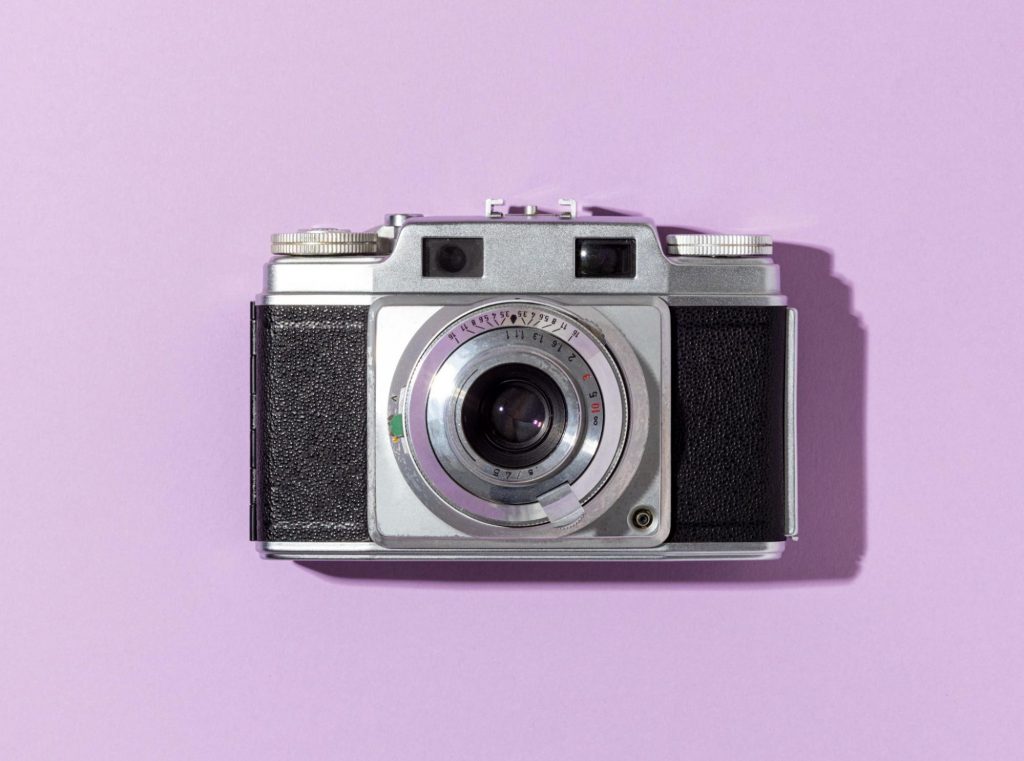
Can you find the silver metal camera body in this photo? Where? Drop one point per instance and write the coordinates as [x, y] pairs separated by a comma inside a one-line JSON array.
[[524, 393]]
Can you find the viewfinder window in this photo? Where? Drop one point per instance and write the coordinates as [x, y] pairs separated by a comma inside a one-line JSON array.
[[605, 257], [453, 257]]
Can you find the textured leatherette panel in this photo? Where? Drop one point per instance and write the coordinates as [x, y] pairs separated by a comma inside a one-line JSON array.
[[728, 416], [309, 423]]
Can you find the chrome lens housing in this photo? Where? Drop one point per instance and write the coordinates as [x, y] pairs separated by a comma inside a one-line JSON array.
[[557, 357]]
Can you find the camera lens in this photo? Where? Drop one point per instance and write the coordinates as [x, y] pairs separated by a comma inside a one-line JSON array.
[[519, 415], [509, 403], [513, 415], [451, 259]]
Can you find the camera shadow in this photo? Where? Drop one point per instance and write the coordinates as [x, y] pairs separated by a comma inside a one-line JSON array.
[[831, 379]]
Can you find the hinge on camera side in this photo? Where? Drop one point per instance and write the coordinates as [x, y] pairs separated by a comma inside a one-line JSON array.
[[792, 522], [252, 422]]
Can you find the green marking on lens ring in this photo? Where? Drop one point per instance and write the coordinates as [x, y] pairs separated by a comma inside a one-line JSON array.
[[395, 427]]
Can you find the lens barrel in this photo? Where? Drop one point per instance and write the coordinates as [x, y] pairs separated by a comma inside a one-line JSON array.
[[507, 405]]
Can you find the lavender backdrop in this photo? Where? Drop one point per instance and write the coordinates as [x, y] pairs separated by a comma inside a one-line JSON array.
[[147, 151]]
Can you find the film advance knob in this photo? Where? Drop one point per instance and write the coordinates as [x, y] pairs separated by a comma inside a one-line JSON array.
[[719, 245], [324, 241]]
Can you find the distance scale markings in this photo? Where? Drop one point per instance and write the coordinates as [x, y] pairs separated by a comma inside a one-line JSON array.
[[520, 318]]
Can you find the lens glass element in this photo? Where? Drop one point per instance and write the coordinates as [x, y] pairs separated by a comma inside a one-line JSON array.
[[519, 414], [513, 415]]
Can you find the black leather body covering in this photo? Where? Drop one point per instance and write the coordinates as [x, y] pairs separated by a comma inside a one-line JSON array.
[[309, 406], [309, 399], [728, 424]]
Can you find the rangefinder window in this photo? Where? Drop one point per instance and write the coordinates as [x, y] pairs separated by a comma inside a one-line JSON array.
[[605, 257], [453, 257]]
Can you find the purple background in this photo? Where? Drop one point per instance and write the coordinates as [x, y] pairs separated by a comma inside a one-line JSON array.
[[147, 154]]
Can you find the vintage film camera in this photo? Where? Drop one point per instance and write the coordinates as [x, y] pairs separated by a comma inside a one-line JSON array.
[[522, 385]]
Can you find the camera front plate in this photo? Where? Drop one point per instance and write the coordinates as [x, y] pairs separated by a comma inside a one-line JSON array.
[[405, 511]]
